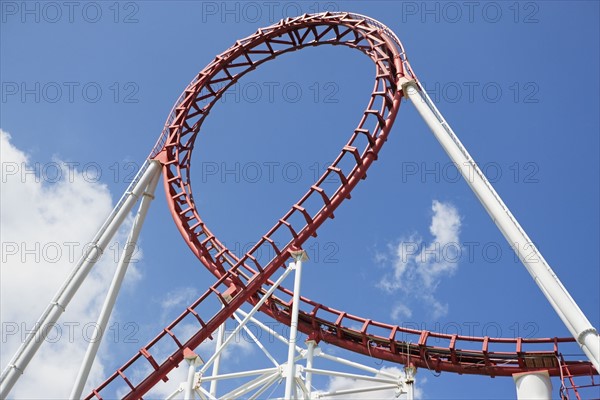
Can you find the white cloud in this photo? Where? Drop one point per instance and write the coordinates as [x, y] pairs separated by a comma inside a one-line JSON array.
[[419, 267], [175, 301], [46, 224], [400, 311]]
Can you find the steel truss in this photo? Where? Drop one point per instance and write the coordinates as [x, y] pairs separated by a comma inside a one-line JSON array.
[[296, 373]]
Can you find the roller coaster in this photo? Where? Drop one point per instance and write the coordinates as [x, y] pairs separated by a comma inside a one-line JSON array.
[[246, 280]]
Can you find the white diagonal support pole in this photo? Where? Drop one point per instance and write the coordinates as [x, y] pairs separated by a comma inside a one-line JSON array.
[[217, 363], [562, 302], [309, 364], [113, 291], [57, 306], [290, 379]]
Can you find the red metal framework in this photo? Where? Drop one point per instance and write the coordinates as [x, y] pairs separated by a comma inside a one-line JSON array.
[[245, 279], [570, 385]]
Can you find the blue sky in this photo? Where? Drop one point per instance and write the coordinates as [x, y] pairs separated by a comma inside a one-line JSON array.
[[518, 82]]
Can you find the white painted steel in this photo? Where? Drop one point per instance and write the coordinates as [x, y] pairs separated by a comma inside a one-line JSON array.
[[343, 392], [533, 386], [266, 386], [217, 363], [257, 342], [291, 365], [250, 386], [269, 330], [356, 365], [309, 364], [409, 381], [189, 383], [241, 374], [378, 379]]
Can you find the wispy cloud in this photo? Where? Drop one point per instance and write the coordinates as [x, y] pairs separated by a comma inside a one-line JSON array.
[[417, 266], [400, 311]]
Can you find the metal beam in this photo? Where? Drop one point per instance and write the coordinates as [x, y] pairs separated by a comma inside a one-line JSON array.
[[291, 364]]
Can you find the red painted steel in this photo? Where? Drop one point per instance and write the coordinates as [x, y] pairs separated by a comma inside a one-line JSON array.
[[245, 279]]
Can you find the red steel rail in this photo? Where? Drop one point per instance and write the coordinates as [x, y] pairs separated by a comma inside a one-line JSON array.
[[245, 279]]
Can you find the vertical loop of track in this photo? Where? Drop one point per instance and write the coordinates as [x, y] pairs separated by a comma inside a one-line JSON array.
[[175, 145]]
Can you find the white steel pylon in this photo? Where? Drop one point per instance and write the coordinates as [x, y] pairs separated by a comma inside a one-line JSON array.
[[296, 373]]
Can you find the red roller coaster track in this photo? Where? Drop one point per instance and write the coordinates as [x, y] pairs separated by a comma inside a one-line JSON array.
[[244, 279]]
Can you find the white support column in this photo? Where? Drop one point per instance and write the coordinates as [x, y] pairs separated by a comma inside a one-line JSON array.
[[562, 302], [217, 363], [57, 306], [290, 379], [409, 381], [533, 386], [193, 360], [189, 383], [113, 291], [309, 364]]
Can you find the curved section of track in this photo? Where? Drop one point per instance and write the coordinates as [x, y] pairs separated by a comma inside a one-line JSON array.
[[244, 279]]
